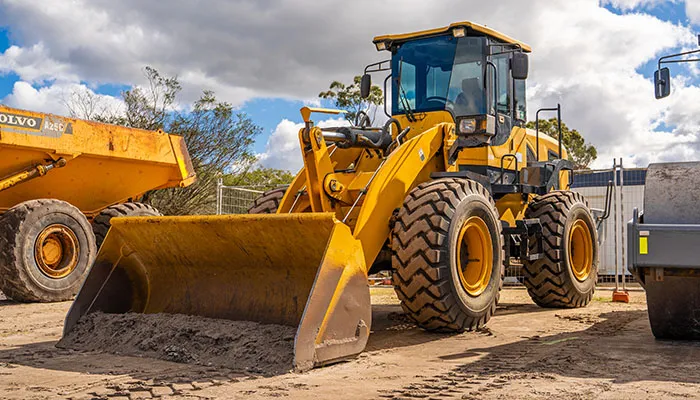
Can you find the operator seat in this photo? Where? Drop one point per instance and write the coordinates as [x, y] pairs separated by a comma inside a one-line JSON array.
[[471, 100]]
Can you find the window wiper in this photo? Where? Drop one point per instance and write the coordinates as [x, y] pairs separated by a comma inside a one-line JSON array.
[[402, 95]]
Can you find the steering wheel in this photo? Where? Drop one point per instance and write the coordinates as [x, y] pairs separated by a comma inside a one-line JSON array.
[[448, 103], [362, 120]]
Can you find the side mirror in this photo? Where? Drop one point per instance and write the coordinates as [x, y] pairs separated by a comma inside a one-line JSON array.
[[519, 66], [662, 83], [365, 86]]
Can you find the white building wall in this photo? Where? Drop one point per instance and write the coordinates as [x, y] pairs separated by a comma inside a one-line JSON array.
[[633, 196]]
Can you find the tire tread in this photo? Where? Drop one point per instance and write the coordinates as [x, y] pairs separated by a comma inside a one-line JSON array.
[[268, 202], [547, 279], [14, 281], [421, 272], [101, 223]]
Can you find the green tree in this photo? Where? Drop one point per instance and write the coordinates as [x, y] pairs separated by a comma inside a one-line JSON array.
[[259, 178], [347, 97], [217, 138], [580, 153]]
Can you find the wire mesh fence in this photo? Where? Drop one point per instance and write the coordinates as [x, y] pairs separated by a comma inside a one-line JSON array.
[[235, 199], [514, 274], [592, 184], [625, 198]]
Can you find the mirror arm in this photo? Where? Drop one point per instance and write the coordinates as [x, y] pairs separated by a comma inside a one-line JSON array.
[[660, 83], [664, 59], [384, 65], [516, 48], [378, 66]]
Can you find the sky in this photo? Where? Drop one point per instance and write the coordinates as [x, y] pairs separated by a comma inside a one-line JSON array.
[[270, 57]]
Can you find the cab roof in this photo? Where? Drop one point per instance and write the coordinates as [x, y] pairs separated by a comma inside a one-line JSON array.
[[404, 37]]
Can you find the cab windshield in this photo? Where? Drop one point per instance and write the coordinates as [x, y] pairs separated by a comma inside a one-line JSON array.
[[440, 73]]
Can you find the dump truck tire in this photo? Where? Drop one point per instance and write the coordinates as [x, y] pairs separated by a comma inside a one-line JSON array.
[[101, 223], [46, 248], [566, 276], [438, 219], [268, 202]]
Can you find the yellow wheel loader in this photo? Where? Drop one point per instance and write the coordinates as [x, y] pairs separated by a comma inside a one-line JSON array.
[[449, 191], [62, 180]]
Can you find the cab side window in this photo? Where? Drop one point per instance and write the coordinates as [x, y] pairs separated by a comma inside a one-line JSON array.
[[503, 98]]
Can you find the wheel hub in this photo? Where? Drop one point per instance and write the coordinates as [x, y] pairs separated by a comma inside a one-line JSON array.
[[474, 256], [580, 250], [56, 251]]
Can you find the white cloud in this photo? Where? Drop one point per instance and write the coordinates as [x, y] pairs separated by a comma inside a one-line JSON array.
[[692, 10], [584, 56], [282, 148], [33, 64], [59, 98]]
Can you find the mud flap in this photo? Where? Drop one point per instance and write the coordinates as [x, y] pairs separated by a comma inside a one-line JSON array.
[[302, 270]]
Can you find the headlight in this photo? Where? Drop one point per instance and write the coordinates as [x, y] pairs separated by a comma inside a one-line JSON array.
[[467, 125], [459, 32], [476, 125]]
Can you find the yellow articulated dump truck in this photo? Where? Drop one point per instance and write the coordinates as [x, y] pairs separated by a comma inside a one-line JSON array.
[[61, 182], [450, 190]]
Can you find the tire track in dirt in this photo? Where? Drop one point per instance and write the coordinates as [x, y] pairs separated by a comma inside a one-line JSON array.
[[526, 362]]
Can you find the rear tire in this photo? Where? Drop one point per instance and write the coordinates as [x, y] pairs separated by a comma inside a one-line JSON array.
[[46, 248], [268, 202], [566, 276], [673, 306], [441, 288], [102, 222]]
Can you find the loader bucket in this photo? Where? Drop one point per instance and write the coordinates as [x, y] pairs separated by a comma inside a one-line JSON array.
[[302, 270]]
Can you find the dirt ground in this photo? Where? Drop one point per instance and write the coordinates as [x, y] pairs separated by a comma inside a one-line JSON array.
[[604, 351]]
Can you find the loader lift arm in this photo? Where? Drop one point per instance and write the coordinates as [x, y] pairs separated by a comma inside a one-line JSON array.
[[400, 171]]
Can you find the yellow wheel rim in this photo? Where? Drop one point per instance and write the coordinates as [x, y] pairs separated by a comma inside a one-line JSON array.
[[580, 250], [474, 256], [56, 251]]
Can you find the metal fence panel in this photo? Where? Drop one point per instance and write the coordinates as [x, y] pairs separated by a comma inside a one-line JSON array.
[[633, 197], [235, 200]]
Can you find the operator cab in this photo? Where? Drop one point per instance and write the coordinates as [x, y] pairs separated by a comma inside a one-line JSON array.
[[474, 73]]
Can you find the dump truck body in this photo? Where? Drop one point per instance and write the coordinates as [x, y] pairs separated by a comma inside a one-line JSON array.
[[419, 196], [105, 164], [56, 175]]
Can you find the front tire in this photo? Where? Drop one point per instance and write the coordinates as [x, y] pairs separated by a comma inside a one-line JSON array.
[[268, 202], [566, 276], [102, 222], [447, 255], [46, 248]]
